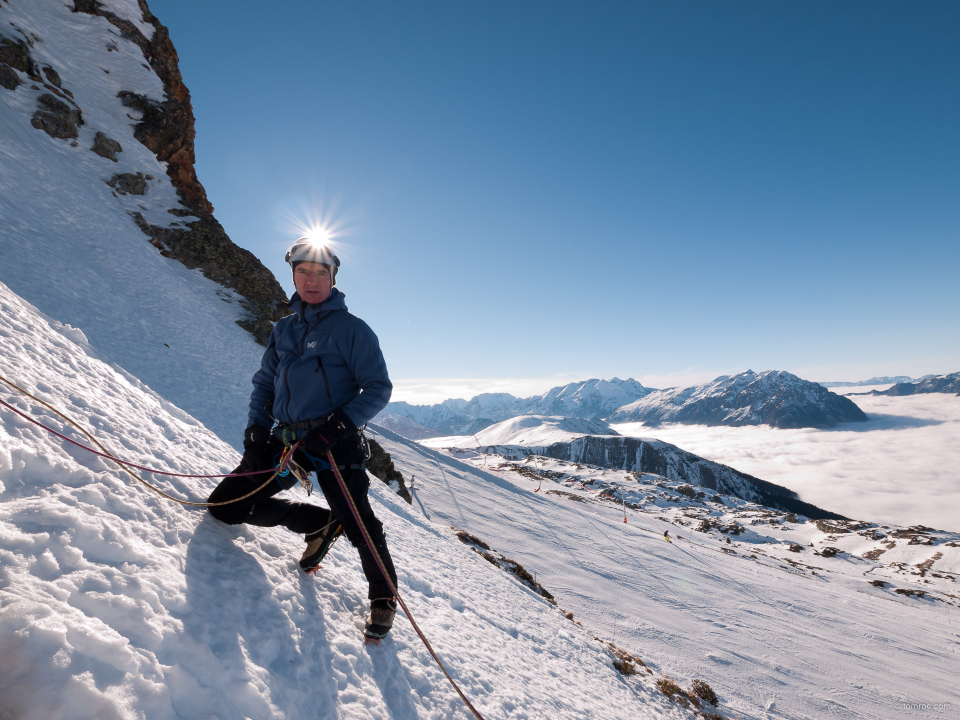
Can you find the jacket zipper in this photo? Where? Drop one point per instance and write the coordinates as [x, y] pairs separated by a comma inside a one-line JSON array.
[[325, 383]]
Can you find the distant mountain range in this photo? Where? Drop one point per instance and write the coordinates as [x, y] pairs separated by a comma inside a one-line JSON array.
[[774, 398], [883, 380], [930, 384], [590, 399]]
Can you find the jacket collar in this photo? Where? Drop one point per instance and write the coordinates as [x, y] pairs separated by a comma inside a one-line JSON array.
[[311, 313]]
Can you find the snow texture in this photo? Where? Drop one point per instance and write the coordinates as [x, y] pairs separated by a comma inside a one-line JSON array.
[[69, 245], [115, 603], [777, 633]]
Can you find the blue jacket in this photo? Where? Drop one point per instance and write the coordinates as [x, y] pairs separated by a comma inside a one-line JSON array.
[[318, 359]]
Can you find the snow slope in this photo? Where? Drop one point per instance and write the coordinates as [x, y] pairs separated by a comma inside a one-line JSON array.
[[778, 634], [525, 430], [115, 603], [70, 247]]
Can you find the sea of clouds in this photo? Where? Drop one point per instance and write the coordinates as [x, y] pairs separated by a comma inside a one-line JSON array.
[[901, 467]]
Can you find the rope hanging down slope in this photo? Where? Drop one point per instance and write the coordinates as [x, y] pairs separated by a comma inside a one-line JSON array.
[[125, 466]]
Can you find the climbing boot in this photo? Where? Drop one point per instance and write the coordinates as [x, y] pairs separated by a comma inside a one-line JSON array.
[[319, 544], [380, 620]]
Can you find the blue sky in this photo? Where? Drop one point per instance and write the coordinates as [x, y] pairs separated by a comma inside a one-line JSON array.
[[534, 192]]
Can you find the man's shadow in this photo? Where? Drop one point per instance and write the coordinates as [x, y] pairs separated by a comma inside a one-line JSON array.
[[240, 626]]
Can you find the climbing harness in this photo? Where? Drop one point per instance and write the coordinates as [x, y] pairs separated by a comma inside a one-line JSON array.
[[393, 588], [285, 466]]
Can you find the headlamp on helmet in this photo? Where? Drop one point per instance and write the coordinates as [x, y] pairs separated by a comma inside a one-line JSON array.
[[307, 250]]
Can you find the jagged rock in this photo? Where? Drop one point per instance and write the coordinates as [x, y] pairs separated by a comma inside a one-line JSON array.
[[56, 118], [381, 465], [64, 94], [180, 212], [167, 129], [830, 528], [205, 245], [53, 77], [129, 183], [8, 78], [106, 147], [16, 54]]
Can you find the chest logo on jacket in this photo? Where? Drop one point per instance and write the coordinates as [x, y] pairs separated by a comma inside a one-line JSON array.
[[312, 344]]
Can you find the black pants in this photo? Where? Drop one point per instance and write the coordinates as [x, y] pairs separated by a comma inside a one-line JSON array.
[[265, 510]]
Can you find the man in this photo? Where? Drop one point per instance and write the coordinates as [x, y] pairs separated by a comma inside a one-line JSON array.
[[321, 378]]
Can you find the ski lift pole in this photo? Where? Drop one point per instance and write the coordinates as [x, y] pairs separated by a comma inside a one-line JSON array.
[[480, 447]]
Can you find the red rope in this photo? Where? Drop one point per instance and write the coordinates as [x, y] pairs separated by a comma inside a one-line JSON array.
[[284, 461], [118, 460], [393, 588]]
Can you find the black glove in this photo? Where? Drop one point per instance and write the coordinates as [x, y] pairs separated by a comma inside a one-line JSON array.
[[257, 452], [324, 437]]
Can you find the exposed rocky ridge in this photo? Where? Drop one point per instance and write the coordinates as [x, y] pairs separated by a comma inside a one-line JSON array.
[[588, 399], [167, 129], [669, 461], [936, 384], [774, 398]]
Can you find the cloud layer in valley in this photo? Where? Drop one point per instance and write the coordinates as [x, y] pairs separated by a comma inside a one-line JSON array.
[[900, 467]]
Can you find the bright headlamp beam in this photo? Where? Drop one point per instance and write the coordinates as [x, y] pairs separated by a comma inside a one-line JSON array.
[[318, 236]]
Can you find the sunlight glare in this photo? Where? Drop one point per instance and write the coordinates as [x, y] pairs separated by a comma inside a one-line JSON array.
[[319, 236]]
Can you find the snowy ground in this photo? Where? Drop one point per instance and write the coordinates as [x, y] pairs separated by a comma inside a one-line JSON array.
[[782, 634], [69, 246], [900, 467], [115, 603], [525, 430]]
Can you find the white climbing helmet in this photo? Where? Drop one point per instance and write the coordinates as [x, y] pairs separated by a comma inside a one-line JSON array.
[[308, 250]]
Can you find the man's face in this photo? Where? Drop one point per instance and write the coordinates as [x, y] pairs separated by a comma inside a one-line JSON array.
[[313, 282]]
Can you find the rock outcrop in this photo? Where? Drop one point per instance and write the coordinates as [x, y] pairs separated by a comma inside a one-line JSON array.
[[381, 466], [130, 183], [167, 129], [57, 118], [669, 461], [106, 147]]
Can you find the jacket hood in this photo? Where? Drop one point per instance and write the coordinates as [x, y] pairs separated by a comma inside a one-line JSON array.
[[309, 313]]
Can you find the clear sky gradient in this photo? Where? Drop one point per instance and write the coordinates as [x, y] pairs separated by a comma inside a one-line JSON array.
[[543, 191]]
